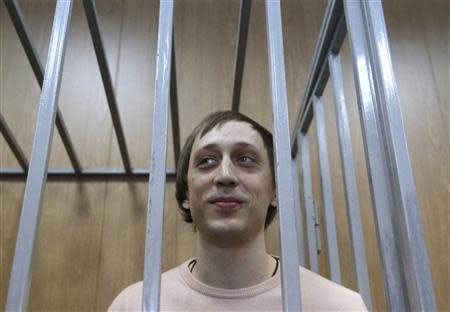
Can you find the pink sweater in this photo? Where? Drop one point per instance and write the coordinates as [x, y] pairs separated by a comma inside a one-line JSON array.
[[180, 291]]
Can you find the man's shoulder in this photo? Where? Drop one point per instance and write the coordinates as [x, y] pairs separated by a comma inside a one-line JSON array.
[[130, 298], [319, 292]]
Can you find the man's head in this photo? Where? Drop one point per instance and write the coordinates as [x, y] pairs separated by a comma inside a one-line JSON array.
[[218, 141]]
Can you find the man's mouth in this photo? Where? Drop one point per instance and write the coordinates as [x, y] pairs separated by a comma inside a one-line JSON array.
[[226, 203]]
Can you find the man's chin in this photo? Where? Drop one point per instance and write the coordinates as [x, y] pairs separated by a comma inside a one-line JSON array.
[[224, 231]]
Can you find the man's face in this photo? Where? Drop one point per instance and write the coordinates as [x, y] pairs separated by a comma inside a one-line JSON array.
[[230, 183]]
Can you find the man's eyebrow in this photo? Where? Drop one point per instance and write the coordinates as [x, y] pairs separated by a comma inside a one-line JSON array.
[[246, 144], [241, 144], [208, 146]]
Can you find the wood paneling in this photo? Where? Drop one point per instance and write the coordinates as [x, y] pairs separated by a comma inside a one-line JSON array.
[[91, 236]]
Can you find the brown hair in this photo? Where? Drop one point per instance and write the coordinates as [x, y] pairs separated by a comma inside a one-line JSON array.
[[206, 125]]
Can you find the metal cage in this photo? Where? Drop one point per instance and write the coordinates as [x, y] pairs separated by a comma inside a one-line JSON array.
[[407, 275]]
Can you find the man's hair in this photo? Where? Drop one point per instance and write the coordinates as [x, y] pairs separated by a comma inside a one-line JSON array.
[[207, 124]]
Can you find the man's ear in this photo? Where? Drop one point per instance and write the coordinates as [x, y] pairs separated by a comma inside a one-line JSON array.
[[274, 199], [186, 204]]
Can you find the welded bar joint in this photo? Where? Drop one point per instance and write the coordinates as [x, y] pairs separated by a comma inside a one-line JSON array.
[[290, 279], [155, 210], [20, 279]]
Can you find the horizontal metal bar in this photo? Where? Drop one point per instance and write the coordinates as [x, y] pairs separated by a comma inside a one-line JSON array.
[[290, 280], [155, 208], [20, 279], [349, 177], [13, 144], [91, 15], [331, 36], [174, 115], [24, 36], [86, 174], [241, 47]]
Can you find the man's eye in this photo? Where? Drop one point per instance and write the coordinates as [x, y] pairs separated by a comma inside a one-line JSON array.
[[246, 159], [206, 161]]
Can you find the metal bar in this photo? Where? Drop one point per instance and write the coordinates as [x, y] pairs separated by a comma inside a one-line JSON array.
[[309, 202], [349, 177], [20, 279], [67, 141], [244, 17], [298, 214], [91, 15], [331, 36], [381, 169], [375, 158], [19, 23], [290, 280], [86, 174], [402, 206], [327, 191], [155, 215], [174, 105], [13, 144]]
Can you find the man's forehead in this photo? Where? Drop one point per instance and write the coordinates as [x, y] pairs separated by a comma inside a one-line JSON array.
[[233, 131]]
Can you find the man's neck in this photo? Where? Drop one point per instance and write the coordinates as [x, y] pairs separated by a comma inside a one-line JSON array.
[[233, 267]]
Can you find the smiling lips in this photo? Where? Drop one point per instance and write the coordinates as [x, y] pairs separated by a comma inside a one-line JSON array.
[[226, 203]]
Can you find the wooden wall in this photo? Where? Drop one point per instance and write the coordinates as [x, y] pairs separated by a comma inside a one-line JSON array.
[[91, 236]]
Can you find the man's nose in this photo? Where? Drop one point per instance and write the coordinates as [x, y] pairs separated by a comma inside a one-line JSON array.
[[226, 175]]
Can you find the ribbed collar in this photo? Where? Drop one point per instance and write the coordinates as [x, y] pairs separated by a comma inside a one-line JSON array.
[[187, 277]]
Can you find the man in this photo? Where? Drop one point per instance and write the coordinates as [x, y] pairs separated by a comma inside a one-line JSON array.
[[226, 187]]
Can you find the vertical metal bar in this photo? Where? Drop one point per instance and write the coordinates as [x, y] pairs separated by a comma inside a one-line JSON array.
[[244, 17], [13, 145], [174, 105], [91, 15], [303, 144], [414, 255], [377, 172], [349, 177], [290, 280], [20, 279], [327, 192], [19, 23], [406, 265], [155, 214], [298, 214]]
